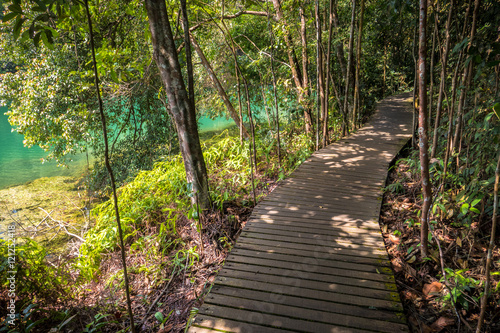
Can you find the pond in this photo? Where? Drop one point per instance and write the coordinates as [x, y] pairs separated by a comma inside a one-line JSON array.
[[19, 164]]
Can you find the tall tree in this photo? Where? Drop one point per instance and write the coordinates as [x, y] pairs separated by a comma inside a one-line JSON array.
[[345, 124], [442, 84], [466, 80], [356, 104], [422, 128], [294, 66], [218, 86], [180, 108]]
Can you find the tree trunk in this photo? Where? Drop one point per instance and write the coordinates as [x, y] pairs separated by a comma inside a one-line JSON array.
[[345, 125], [442, 84], [431, 69], [220, 90], [187, 48], [358, 66], [339, 47], [110, 170], [326, 139], [274, 82], [466, 80], [305, 64], [320, 76], [180, 108], [489, 256], [422, 130], [294, 65]]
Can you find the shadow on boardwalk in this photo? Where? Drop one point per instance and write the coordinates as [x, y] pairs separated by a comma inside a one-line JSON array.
[[312, 258]]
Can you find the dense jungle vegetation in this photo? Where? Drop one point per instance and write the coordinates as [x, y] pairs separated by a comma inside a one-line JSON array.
[[125, 81]]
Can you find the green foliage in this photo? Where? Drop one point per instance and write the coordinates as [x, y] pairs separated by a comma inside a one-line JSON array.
[[462, 290], [144, 202], [33, 274], [162, 319], [98, 322]]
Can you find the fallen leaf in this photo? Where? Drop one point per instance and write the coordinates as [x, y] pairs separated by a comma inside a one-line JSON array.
[[459, 241], [441, 323], [394, 239], [397, 265], [432, 289]]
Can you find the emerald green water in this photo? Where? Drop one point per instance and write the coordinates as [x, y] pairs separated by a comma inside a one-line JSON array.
[[19, 164]]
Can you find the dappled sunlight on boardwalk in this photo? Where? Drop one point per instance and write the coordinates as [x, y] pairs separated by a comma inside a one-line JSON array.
[[312, 258]]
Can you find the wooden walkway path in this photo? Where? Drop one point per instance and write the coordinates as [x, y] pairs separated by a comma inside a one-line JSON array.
[[312, 258]]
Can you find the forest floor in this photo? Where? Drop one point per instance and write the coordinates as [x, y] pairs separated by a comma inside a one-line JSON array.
[[182, 292], [461, 249]]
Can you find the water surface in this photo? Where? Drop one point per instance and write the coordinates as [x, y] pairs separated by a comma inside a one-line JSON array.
[[19, 164]]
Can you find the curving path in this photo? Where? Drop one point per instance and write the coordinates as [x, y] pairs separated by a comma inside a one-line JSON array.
[[312, 258]]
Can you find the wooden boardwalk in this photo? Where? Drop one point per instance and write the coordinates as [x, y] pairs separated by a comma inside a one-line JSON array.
[[312, 258]]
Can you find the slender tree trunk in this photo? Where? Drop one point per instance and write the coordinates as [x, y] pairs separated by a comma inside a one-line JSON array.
[[326, 138], [451, 105], [305, 64], [294, 66], [274, 80], [467, 78], [415, 85], [422, 130], [497, 71], [384, 77], [338, 46], [484, 299], [355, 111], [218, 86], [319, 65], [187, 48], [180, 108], [240, 105], [345, 125], [442, 84], [110, 170], [431, 70], [451, 112]]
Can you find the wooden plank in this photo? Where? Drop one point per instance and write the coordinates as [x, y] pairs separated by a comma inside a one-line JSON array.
[[325, 168], [343, 215], [334, 205], [334, 199], [308, 303], [298, 312], [309, 270], [263, 319], [312, 191], [325, 195], [329, 258], [335, 241], [310, 294], [369, 226], [327, 248], [306, 226], [345, 269], [206, 324], [335, 178], [300, 280], [338, 183], [315, 235]]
